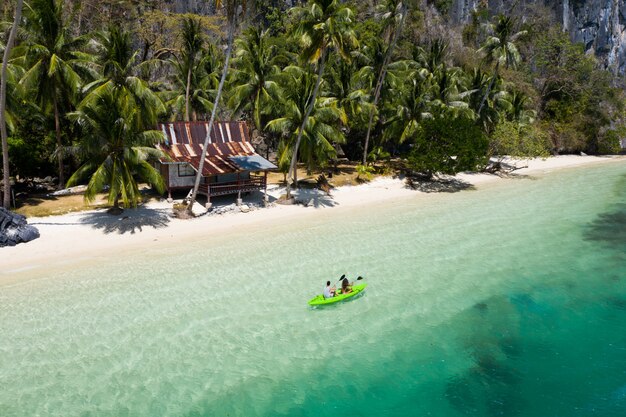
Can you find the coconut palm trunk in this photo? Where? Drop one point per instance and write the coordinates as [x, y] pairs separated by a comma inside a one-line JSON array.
[[501, 48], [57, 129], [3, 98], [187, 89], [293, 174], [381, 80], [231, 31], [493, 80]]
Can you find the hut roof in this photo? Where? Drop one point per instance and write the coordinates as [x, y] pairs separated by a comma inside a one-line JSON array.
[[229, 149]]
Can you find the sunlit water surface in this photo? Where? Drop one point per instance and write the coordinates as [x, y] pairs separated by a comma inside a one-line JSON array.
[[508, 301]]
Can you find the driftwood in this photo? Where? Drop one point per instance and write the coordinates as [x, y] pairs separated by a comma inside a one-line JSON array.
[[14, 229], [499, 166]]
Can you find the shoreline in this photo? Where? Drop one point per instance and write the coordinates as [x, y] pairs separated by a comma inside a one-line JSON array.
[[75, 238]]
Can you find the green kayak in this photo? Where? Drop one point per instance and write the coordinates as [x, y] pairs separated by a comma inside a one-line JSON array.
[[320, 300]]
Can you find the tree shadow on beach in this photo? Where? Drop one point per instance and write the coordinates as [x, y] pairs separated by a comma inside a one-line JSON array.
[[315, 198], [130, 221], [438, 185]]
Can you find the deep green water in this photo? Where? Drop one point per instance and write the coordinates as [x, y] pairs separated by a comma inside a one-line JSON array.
[[508, 301]]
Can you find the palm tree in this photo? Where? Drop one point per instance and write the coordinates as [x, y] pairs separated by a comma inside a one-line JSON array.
[[348, 85], [434, 57], [518, 110], [3, 95], [500, 47], [448, 92], [117, 64], [231, 7], [116, 147], [54, 63], [320, 131], [195, 81], [256, 89], [192, 45], [324, 25], [397, 11], [480, 85], [412, 105]]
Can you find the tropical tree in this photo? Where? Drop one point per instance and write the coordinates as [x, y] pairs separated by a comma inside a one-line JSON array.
[[3, 99], [477, 84], [231, 15], [117, 65], [116, 147], [434, 57], [448, 85], [324, 25], [254, 80], [411, 106], [192, 45], [195, 78], [348, 84], [54, 64], [499, 47], [395, 15], [518, 110], [320, 131]]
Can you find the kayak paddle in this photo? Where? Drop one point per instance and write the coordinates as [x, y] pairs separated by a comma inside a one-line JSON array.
[[342, 277]]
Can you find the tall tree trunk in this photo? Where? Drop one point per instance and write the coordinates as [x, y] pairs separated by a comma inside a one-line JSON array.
[[493, 80], [231, 31], [6, 201], [187, 93], [57, 128], [294, 158], [381, 80]]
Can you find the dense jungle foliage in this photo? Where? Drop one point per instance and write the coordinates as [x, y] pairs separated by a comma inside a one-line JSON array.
[[87, 81]]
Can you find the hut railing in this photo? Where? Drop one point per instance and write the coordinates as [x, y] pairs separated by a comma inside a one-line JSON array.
[[223, 188]]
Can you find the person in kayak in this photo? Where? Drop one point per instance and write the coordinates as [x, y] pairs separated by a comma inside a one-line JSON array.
[[346, 286], [329, 292]]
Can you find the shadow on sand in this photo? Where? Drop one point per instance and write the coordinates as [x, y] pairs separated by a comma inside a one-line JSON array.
[[130, 221], [439, 185], [314, 198]]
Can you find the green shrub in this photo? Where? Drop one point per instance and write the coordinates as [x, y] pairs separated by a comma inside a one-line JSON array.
[[522, 141], [609, 143], [364, 172], [448, 145]]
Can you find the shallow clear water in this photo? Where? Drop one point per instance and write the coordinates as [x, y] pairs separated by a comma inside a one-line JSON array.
[[508, 301]]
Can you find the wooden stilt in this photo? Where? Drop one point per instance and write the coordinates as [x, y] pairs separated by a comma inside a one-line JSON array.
[[208, 204], [265, 199], [239, 200]]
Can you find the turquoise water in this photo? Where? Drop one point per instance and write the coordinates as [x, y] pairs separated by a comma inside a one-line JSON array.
[[508, 301]]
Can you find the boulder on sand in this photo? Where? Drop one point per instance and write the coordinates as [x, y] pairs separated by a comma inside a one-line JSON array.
[[14, 229]]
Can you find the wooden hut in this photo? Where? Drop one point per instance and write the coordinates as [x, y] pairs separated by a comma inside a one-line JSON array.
[[231, 166]]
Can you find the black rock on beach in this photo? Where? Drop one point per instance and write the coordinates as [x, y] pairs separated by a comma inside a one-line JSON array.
[[14, 229]]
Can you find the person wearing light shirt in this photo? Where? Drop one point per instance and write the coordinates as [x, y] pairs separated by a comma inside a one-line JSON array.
[[329, 292]]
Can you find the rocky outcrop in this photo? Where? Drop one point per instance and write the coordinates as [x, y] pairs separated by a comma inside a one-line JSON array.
[[14, 229], [598, 24]]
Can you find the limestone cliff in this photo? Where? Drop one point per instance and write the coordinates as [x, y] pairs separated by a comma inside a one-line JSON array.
[[599, 24]]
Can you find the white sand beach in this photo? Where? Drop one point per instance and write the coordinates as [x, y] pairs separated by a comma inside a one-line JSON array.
[[70, 238]]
